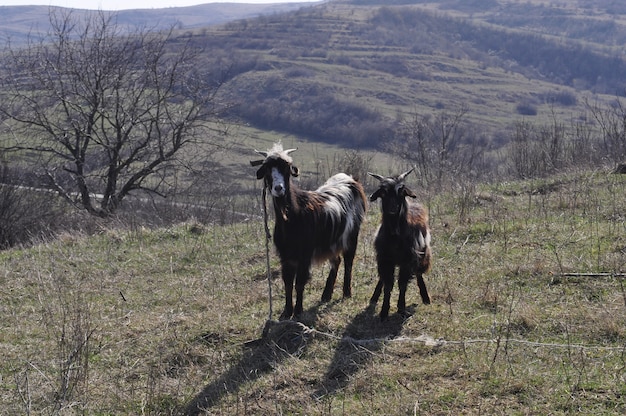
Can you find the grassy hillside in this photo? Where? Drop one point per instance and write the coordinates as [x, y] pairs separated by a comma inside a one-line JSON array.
[[529, 306], [346, 71], [528, 317]]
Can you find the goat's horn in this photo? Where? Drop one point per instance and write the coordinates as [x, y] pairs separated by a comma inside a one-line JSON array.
[[290, 150], [404, 175], [374, 175], [264, 154]]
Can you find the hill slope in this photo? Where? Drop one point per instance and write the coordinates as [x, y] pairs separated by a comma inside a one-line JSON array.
[[345, 71], [528, 317], [16, 22]]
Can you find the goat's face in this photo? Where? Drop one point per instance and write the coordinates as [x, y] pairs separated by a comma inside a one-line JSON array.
[[276, 172], [392, 193]]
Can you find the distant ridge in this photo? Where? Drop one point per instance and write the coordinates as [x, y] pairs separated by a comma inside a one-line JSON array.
[[16, 22]]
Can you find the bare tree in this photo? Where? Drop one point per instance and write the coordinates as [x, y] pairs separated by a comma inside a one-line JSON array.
[[448, 131], [524, 152], [612, 123], [437, 145], [412, 142], [108, 111]]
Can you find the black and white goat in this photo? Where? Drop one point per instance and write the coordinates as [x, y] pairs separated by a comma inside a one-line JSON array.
[[403, 240], [311, 226]]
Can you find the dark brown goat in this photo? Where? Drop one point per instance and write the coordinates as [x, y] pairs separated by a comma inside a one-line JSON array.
[[311, 226], [403, 240]]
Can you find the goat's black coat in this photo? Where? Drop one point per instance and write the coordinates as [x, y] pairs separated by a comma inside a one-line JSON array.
[[402, 240], [312, 226]]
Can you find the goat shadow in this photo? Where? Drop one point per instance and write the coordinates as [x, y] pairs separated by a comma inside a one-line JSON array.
[[363, 336], [280, 340]]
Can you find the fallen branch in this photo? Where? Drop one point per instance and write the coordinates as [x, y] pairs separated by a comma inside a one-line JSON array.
[[599, 274], [429, 341]]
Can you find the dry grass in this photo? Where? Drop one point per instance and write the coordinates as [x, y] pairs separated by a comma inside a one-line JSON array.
[[170, 321]]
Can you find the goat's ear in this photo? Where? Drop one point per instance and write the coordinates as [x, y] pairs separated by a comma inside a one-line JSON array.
[[294, 170], [407, 192], [376, 195], [256, 162], [261, 172]]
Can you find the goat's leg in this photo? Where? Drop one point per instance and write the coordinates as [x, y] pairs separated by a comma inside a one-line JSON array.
[[288, 275], [423, 290], [377, 292], [332, 277], [404, 275], [385, 271], [302, 277], [379, 285], [348, 261]]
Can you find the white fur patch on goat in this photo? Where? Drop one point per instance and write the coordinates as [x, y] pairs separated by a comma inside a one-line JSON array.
[[423, 242], [340, 204]]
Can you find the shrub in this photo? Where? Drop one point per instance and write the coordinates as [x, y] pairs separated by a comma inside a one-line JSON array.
[[526, 109]]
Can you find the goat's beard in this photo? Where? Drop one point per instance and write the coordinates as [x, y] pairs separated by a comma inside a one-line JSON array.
[[283, 212], [282, 206]]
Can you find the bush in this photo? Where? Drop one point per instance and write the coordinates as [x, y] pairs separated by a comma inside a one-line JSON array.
[[564, 98], [526, 109], [311, 111], [25, 216]]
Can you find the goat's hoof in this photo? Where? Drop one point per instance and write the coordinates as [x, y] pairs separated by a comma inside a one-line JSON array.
[[426, 301]]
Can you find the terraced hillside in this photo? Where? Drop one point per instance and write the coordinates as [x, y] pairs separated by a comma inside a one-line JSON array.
[[345, 72]]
